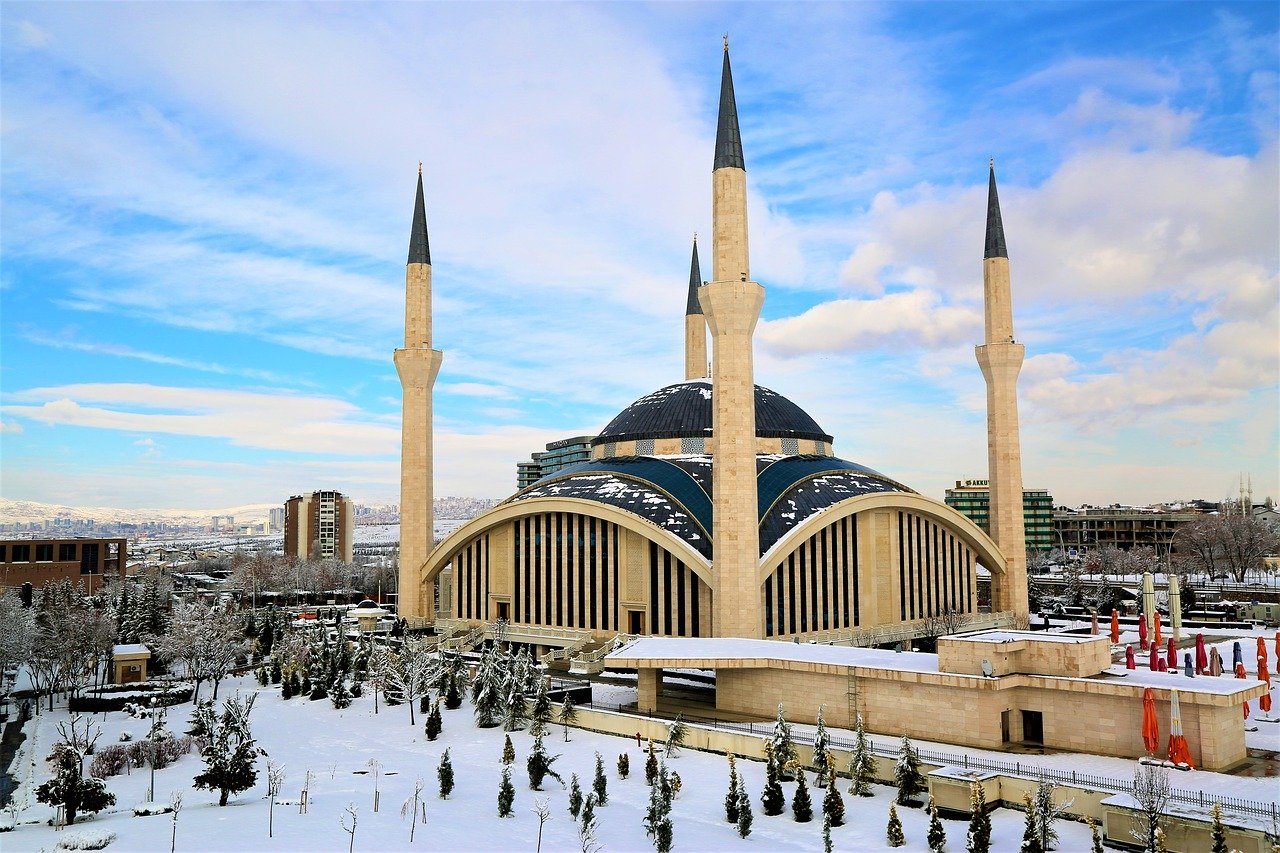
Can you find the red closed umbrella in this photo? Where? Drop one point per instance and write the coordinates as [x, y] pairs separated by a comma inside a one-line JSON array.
[[1179, 752], [1240, 674], [1202, 656], [1142, 632], [1172, 654], [1264, 701], [1150, 726], [1129, 662], [1262, 650], [1115, 632], [1155, 659]]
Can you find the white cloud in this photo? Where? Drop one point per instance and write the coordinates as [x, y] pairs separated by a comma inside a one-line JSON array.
[[11, 427], [914, 319]]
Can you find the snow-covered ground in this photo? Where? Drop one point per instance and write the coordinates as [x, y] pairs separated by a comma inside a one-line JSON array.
[[336, 747]]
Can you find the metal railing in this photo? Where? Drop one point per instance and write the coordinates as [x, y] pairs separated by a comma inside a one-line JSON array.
[[1031, 771], [592, 661], [884, 634]]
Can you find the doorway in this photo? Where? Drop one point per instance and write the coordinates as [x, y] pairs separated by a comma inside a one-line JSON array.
[[504, 611], [635, 621], [1004, 725], [1032, 727]]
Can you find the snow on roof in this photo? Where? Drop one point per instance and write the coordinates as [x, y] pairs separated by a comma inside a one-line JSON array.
[[1034, 636], [130, 649]]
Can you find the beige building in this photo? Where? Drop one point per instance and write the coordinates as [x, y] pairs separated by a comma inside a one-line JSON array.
[[711, 507], [320, 526]]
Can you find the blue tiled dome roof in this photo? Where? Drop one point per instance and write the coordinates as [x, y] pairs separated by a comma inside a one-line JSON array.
[[684, 411]]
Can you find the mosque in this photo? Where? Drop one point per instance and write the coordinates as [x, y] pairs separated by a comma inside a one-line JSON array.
[[713, 507]]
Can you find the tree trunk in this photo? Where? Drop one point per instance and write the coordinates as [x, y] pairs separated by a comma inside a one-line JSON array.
[[222, 801]]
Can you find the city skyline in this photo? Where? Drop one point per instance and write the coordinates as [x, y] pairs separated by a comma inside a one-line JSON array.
[[203, 281]]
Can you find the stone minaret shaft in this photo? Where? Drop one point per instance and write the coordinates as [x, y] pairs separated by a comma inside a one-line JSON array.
[[732, 307], [695, 324], [1001, 360], [417, 364]]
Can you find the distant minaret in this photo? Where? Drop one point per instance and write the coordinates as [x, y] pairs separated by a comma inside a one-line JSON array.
[[1001, 360], [695, 324], [732, 307], [417, 365]]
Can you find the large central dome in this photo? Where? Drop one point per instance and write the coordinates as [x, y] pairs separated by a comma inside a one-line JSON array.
[[684, 411]]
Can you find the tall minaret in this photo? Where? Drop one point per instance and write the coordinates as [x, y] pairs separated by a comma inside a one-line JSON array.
[[695, 324], [417, 363], [1001, 360], [732, 306]]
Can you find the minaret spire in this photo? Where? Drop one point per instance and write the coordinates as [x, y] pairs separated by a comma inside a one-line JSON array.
[[417, 365], [695, 324], [995, 226], [1000, 358], [732, 304]]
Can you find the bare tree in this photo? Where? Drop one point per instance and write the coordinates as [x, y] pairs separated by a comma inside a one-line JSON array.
[[410, 807], [542, 809], [349, 829], [17, 633], [175, 803], [1227, 544], [275, 779], [1151, 792], [207, 641]]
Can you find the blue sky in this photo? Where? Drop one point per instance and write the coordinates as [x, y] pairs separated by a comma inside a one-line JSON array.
[[205, 213]]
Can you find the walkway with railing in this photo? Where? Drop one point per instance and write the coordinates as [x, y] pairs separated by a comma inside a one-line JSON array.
[[1022, 770]]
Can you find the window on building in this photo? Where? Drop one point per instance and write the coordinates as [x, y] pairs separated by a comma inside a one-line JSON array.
[[791, 446], [22, 553], [67, 552], [644, 447], [44, 552], [89, 558], [693, 445]]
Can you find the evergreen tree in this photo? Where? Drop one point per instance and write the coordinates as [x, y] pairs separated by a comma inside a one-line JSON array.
[[833, 801], [488, 700], [894, 833], [506, 794], [435, 723], [1030, 837], [575, 795], [589, 814], [541, 714], [286, 688], [229, 750], [801, 803], [676, 734], [1047, 814], [250, 626], [979, 839], [624, 765], [600, 785], [821, 751], [907, 772], [663, 836], [731, 798], [1217, 834], [937, 837], [539, 765], [568, 715], [452, 698], [508, 751], [744, 811], [862, 762], [517, 709], [70, 788], [1095, 838], [445, 774], [784, 747], [651, 766], [771, 799], [276, 673], [338, 693], [263, 678], [1161, 847]]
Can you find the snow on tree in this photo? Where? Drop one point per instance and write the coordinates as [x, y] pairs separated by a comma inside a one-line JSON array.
[[587, 827], [862, 762], [744, 811], [445, 774], [893, 835], [435, 724], [575, 795], [568, 715], [657, 820], [826, 832], [207, 641], [508, 751], [228, 747], [506, 794], [1217, 834], [410, 807], [801, 803], [731, 798], [539, 765], [517, 707], [541, 713], [1030, 837], [600, 785], [651, 766], [1151, 791], [771, 799], [69, 788], [1047, 814], [937, 837], [784, 747], [677, 732], [821, 750], [906, 772], [407, 674], [17, 633], [833, 801], [1095, 837], [488, 692], [979, 837], [624, 765]]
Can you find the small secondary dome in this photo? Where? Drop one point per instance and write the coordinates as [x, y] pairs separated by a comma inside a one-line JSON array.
[[684, 411]]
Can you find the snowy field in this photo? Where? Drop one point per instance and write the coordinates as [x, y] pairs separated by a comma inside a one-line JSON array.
[[336, 747]]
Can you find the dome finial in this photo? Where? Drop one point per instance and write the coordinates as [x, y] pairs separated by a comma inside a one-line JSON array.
[[419, 168], [726, 42]]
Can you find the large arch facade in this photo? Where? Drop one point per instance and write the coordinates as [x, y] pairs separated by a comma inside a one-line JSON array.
[[570, 564], [873, 560]]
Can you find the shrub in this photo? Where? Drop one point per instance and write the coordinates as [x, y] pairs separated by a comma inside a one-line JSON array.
[[93, 839]]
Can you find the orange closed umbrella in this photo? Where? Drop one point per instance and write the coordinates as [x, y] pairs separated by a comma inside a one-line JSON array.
[[1264, 701], [1155, 636], [1262, 650], [1179, 752], [1150, 726], [1115, 631]]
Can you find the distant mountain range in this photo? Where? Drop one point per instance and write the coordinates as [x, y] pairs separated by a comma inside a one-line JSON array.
[[28, 511]]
